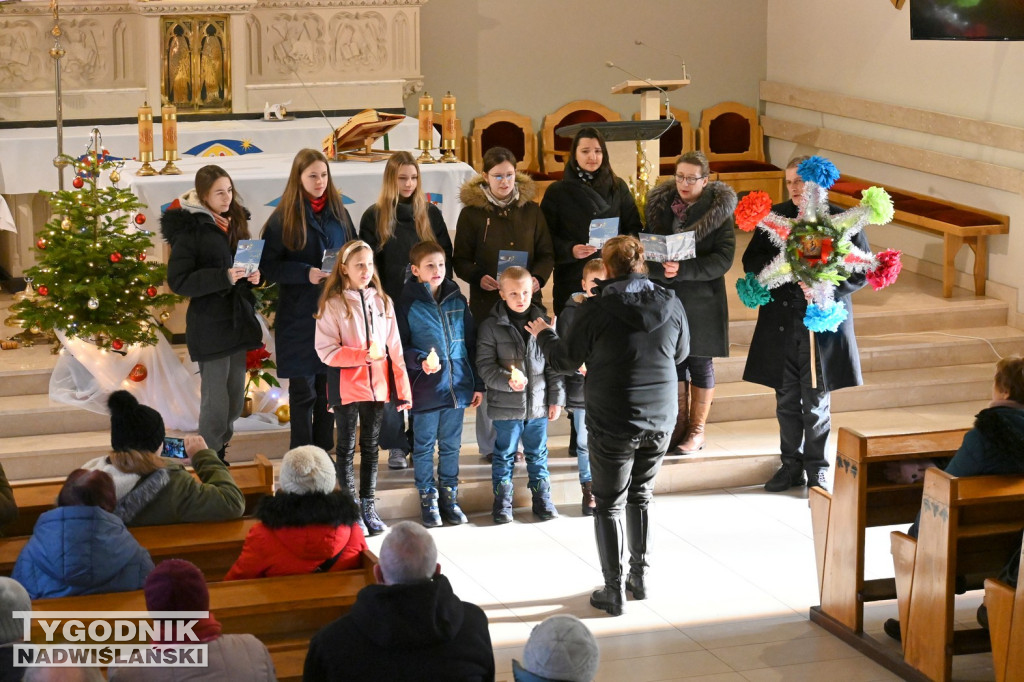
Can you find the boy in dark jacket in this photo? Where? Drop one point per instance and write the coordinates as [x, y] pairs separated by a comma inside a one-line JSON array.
[[439, 338], [593, 270], [523, 393]]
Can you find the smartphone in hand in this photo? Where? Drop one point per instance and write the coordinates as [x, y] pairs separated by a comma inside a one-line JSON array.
[[174, 447]]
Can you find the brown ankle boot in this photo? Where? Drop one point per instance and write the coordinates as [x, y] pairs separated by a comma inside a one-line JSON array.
[[683, 419], [589, 503], [700, 406]]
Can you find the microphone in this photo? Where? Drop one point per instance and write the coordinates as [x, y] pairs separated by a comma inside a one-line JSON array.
[[663, 91], [321, 110], [682, 60]]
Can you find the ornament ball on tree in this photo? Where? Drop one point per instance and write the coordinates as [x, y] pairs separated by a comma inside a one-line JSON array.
[[115, 257], [43, 290], [117, 344], [77, 183], [151, 292], [41, 243], [140, 218]]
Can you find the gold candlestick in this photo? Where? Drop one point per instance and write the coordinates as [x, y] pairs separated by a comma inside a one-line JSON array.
[[449, 136], [426, 130], [169, 129], [146, 140]]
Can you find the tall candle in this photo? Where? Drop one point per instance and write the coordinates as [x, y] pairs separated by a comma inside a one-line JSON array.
[[448, 134], [145, 131], [169, 127], [426, 120]]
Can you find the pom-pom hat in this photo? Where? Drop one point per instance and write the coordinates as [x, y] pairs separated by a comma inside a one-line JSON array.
[[307, 469], [134, 426]]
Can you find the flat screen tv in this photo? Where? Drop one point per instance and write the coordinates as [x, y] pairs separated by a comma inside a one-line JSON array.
[[967, 19]]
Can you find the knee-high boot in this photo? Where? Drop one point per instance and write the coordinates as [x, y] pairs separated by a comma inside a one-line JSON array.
[[610, 598], [638, 530], [700, 407], [683, 418]]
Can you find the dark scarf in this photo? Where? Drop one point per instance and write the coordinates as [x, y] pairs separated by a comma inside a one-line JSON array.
[[602, 181]]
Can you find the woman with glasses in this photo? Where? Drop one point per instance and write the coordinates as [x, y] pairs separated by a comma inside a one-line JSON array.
[[589, 190], [499, 218], [689, 203]]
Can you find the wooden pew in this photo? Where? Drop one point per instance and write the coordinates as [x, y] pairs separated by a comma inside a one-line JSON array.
[[969, 526], [862, 499], [255, 479], [1006, 627], [213, 546]]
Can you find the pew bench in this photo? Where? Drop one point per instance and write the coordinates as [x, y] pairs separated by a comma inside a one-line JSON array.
[[958, 224], [255, 479], [1006, 628], [213, 546], [969, 527]]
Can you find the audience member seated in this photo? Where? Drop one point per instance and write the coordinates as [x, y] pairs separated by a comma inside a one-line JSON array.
[[560, 649], [13, 597], [410, 626], [154, 490], [8, 507], [178, 585], [306, 526], [81, 547]]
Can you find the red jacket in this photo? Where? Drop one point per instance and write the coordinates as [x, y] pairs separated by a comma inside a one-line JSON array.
[[298, 533]]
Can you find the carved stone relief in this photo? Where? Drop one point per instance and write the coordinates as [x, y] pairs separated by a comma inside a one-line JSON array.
[[297, 42], [85, 43], [359, 40], [20, 65]]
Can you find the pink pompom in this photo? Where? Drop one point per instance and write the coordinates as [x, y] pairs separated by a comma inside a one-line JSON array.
[[889, 266]]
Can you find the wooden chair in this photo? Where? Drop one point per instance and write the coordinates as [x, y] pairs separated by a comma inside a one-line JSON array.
[[555, 147], [1006, 627], [732, 139], [460, 140], [255, 479], [677, 141], [969, 526], [504, 128]]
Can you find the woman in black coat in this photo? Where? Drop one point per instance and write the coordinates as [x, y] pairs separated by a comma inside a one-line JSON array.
[[309, 220], [589, 190], [203, 227], [689, 203], [401, 219]]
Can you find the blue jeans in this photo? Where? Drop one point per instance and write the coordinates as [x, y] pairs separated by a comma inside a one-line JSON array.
[[582, 450], [534, 433], [443, 427]]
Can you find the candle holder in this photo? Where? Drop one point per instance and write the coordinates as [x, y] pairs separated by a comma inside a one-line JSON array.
[[448, 154], [424, 157], [146, 158], [169, 168]]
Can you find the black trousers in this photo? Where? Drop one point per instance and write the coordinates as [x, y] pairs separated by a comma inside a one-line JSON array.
[[368, 414], [803, 412], [311, 423], [624, 468]]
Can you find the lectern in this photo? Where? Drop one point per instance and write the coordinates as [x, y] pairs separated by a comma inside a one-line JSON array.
[[650, 104]]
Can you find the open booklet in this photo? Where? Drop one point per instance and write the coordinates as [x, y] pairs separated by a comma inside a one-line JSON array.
[[660, 248], [248, 254], [507, 259], [329, 259], [601, 230]]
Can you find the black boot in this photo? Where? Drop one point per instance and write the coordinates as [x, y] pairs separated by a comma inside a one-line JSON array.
[[223, 453], [543, 507], [612, 596], [589, 504], [501, 512], [429, 513], [374, 526], [638, 529], [451, 513]]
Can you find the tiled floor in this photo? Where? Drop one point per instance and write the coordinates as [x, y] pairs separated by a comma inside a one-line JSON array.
[[733, 576]]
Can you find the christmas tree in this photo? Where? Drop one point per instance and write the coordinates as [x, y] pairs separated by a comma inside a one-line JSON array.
[[92, 279]]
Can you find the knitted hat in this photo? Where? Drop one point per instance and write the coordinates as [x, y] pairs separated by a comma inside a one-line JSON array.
[[176, 585], [133, 426], [13, 597], [307, 469], [561, 648]]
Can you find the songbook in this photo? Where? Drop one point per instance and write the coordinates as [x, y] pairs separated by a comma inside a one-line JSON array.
[[507, 259], [659, 248], [354, 140], [329, 259], [601, 230], [248, 254]]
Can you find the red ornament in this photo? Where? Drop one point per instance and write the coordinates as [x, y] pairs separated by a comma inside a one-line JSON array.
[[117, 344], [41, 243], [151, 292], [142, 256], [115, 257], [140, 218], [78, 182], [138, 373], [43, 290]]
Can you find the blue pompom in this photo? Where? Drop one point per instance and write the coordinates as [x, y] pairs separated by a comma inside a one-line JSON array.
[[752, 292], [825, 319], [818, 170]]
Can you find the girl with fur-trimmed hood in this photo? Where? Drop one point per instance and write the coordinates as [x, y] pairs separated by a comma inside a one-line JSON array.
[[689, 203]]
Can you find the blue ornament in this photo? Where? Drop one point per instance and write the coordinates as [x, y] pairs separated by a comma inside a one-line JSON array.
[[818, 170]]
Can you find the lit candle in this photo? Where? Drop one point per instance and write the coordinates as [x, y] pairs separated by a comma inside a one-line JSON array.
[[426, 120], [376, 353], [517, 376], [448, 134], [145, 132], [169, 127], [433, 362]]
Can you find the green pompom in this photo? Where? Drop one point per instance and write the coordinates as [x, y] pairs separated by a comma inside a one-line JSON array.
[[879, 205], [752, 292]]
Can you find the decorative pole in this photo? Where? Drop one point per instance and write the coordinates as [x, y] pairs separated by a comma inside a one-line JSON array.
[[57, 52]]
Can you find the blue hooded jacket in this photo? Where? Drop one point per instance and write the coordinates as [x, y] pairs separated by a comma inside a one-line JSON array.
[[81, 550], [447, 326]]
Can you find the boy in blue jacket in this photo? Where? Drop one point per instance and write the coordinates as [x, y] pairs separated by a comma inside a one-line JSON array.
[[439, 338]]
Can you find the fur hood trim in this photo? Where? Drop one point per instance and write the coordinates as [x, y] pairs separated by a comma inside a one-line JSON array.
[[472, 192], [287, 510], [714, 207], [142, 495]]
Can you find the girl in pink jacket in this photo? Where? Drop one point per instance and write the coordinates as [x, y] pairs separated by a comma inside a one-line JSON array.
[[357, 338]]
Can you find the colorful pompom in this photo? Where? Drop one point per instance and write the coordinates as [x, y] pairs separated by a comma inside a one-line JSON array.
[[752, 292], [827, 318], [889, 266], [818, 170], [879, 205], [752, 209]]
